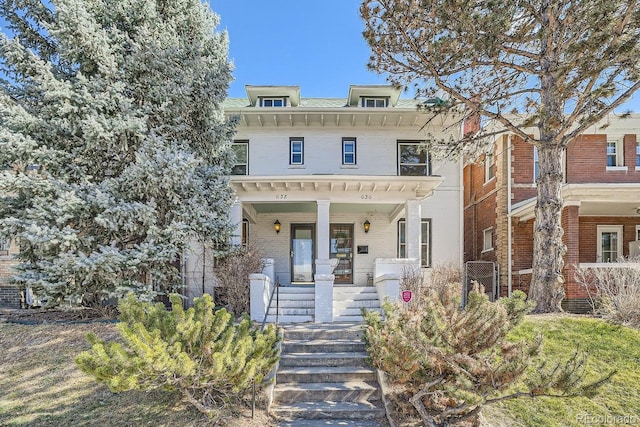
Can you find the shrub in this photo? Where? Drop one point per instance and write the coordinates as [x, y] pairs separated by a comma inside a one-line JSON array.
[[201, 353], [232, 278], [614, 291], [453, 361]]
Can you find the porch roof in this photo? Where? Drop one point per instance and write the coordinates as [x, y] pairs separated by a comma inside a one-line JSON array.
[[369, 189], [593, 199]]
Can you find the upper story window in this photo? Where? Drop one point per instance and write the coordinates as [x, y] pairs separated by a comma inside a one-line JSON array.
[[374, 102], [489, 165], [638, 154], [614, 154], [296, 151], [413, 159], [425, 241], [348, 151], [241, 149], [272, 102]]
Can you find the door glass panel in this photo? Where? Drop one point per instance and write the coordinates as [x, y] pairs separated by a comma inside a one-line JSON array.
[[302, 253], [341, 247], [609, 246]]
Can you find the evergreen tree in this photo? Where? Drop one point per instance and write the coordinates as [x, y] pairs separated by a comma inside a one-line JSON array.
[[114, 142], [200, 353], [561, 65]]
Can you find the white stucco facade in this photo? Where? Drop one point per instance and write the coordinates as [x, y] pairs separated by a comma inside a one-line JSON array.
[[310, 191]]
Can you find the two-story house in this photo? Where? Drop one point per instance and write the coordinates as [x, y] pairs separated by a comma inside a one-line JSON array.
[[338, 192], [601, 214]]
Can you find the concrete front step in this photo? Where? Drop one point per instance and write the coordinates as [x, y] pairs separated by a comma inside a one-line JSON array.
[[324, 359], [350, 391], [317, 374], [322, 346], [294, 303], [290, 311], [330, 423], [328, 410], [271, 318], [354, 311], [324, 331], [356, 303]]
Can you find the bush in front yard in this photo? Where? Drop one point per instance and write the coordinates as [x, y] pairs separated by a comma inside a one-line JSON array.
[[614, 290], [232, 278], [201, 353], [452, 361]]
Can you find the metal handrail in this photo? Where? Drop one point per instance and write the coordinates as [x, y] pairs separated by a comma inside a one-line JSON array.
[[276, 292]]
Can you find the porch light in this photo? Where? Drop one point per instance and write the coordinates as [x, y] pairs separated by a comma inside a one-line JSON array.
[[276, 226], [367, 226]]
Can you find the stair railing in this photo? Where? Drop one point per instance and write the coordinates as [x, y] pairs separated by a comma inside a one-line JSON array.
[[276, 291]]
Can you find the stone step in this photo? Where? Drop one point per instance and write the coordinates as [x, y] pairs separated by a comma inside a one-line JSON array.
[[330, 423], [367, 303], [292, 311], [324, 359], [328, 410], [324, 374], [342, 318], [293, 303], [322, 346], [320, 331], [354, 311], [271, 318], [350, 391], [297, 289]]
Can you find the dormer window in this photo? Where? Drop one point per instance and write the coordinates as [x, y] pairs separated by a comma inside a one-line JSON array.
[[377, 102], [273, 102]]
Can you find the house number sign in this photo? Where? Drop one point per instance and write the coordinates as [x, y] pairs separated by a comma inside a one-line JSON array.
[[281, 196], [366, 196]]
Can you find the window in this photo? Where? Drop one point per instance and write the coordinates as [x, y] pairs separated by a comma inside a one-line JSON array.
[[609, 243], [638, 154], [425, 242], [487, 240], [4, 247], [489, 165], [374, 102], [241, 149], [273, 102], [612, 156], [245, 232], [296, 152], [638, 233], [413, 159], [536, 164], [348, 151]]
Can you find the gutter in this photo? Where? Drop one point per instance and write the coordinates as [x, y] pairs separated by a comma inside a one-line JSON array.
[[509, 218]]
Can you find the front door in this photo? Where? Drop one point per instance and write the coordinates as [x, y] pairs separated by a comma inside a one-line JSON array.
[[302, 253], [341, 247]]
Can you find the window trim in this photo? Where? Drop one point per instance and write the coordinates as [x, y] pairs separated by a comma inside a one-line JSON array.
[[425, 261], [489, 165], [402, 142], [244, 238], [375, 99], [344, 153], [293, 140], [618, 154], [246, 164], [637, 153], [484, 240], [619, 229], [262, 100]]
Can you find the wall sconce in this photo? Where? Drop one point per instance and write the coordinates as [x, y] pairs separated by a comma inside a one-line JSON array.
[[276, 226], [367, 226]]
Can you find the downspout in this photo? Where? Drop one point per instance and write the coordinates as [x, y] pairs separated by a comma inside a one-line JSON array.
[[509, 220]]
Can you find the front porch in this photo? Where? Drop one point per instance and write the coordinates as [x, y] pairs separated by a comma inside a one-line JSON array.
[[325, 301]]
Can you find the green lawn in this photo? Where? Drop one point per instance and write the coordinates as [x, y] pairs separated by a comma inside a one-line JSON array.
[[609, 347]]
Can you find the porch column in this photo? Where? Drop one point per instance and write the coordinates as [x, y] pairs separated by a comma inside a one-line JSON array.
[[413, 237], [571, 238], [236, 219], [324, 269], [323, 229]]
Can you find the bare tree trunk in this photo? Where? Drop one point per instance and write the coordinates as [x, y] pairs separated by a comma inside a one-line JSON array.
[[547, 283]]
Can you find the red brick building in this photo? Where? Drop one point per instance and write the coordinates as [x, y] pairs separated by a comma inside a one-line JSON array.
[[601, 214]]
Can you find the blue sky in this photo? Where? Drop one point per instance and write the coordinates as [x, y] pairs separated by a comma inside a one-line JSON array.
[[314, 44]]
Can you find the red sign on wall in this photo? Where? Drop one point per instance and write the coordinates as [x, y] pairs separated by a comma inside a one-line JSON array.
[[406, 296]]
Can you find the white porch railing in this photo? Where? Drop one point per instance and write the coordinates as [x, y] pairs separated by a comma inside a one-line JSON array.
[[388, 273]]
